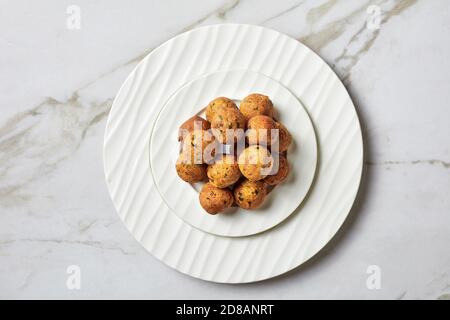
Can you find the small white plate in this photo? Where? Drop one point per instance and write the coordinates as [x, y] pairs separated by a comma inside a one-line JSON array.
[[182, 198]]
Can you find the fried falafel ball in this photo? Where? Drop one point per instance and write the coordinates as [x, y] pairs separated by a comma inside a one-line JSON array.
[[190, 172], [199, 146], [250, 194], [278, 175], [284, 137], [215, 200], [260, 131], [256, 104], [224, 172], [228, 125], [218, 104], [255, 162], [196, 122]]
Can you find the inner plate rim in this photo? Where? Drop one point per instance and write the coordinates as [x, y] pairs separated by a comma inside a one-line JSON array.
[[309, 145]]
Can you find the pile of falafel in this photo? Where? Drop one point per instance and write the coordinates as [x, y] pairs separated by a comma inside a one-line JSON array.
[[243, 180]]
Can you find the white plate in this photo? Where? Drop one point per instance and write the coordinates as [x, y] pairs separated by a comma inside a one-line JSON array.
[[220, 48], [182, 198]]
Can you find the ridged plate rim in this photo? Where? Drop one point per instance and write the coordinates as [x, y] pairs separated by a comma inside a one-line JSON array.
[[221, 259]]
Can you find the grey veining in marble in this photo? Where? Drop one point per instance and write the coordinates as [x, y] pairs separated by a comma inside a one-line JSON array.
[[56, 89]]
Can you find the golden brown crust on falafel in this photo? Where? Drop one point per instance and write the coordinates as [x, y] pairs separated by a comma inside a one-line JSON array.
[[224, 172], [200, 146], [228, 125], [215, 200], [218, 104], [255, 162], [249, 194], [279, 174], [259, 132], [196, 122], [256, 104], [190, 172], [284, 137]]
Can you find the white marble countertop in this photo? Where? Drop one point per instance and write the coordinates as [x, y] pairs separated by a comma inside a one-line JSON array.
[[57, 85]]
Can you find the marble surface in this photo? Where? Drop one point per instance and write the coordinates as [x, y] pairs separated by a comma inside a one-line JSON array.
[[56, 88]]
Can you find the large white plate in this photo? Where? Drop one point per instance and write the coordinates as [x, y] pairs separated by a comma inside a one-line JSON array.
[[186, 248], [182, 198]]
